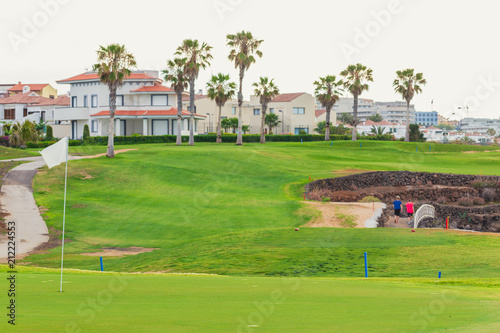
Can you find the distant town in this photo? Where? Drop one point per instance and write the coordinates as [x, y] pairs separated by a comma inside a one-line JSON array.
[[145, 106]]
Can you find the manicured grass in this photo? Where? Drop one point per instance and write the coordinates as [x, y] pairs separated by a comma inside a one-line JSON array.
[[101, 302], [9, 153], [232, 210]]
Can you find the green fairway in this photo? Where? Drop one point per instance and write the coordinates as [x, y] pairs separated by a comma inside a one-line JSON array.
[[97, 302], [232, 210], [9, 153]]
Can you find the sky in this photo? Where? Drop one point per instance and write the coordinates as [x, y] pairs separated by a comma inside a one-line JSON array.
[[453, 43]]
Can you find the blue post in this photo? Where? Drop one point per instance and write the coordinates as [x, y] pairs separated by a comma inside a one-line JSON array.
[[429, 147], [102, 266], [301, 142], [360, 145], [417, 149], [439, 275], [332, 143], [366, 266]]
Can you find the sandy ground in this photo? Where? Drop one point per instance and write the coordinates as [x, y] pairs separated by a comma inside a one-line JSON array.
[[329, 211], [119, 251], [484, 151]]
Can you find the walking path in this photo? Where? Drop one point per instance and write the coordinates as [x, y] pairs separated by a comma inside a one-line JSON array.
[[16, 198]]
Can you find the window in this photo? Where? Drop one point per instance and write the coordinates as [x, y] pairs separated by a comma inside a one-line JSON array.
[[9, 114], [94, 126], [271, 110], [73, 102], [85, 101], [94, 101], [119, 100], [299, 110], [298, 129], [256, 112], [233, 110], [159, 100]]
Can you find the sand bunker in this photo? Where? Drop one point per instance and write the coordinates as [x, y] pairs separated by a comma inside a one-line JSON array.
[[346, 214], [119, 251]]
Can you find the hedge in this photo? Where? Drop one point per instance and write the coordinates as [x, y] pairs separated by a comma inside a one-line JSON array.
[[247, 138]]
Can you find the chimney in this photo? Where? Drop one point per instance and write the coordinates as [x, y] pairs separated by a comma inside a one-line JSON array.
[[26, 89], [19, 82], [200, 92]]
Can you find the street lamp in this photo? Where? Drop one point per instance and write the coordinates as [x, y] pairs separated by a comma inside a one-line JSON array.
[[282, 121], [466, 107]]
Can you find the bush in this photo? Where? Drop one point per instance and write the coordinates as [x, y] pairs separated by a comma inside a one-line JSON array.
[[49, 135], [318, 194], [370, 199], [45, 144], [466, 202], [4, 141], [478, 201], [86, 132], [489, 194], [302, 132], [442, 200]]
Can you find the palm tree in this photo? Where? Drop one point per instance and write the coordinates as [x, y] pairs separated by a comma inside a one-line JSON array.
[[376, 118], [377, 131], [23, 133], [179, 82], [220, 90], [355, 77], [113, 67], [243, 46], [407, 84], [327, 92], [266, 91], [272, 121], [198, 57]]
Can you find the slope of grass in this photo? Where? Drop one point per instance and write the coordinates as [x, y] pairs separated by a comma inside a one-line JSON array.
[[232, 210], [102, 302], [9, 153]]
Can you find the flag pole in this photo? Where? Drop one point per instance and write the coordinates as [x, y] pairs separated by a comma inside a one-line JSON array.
[[64, 217]]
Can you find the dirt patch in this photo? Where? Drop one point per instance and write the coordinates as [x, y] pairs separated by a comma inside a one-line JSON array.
[[339, 214], [116, 152], [483, 151], [119, 251], [78, 206], [347, 172]]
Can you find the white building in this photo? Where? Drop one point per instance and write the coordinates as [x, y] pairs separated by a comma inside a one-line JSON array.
[[143, 106], [396, 129], [479, 125], [394, 112]]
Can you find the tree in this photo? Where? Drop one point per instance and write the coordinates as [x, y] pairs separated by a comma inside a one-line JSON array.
[[40, 127], [377, 131], [179, 82], [226, 124], [50, 133], [245, 128], [233, 123], [321, 127], [113, 67], [272, 120], [86, 132], [415, 135], [220, 90], [345, 118], [407, 84], [22, 133], [445, 127], [266, 90], [491, 132], [198, 57], [327, 92], [376, 118], [243, 47], [355, 77], [339, 130]]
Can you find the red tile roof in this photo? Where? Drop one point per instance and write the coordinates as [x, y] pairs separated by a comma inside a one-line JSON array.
[[95, 76], [137, 113], [286, 97], [319, 113], [33, 87], [22, 99], [156, 88], [382, 123], [61, 101], [185, 98]]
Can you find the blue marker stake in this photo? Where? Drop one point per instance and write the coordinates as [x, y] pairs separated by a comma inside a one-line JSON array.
[[301, 142], [417, 149], [439, 275], [360, 145], [332, 143], [102, 266], [429, 147], [366, 266]]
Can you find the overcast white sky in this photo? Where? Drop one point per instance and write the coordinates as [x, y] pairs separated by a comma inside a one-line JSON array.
[[454, 43]]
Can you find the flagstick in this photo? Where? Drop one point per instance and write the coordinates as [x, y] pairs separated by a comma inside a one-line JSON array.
[[64, 217]]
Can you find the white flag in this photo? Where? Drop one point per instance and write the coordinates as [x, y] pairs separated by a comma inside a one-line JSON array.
[[56, 153]]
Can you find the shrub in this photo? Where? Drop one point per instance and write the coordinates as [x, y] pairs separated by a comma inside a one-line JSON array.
[[302, 132], [325, 199], [318, 194], [134, 135], [49, 135], [442, 200], [370, 199], [466, 202], [86, 132], [478, 201], [489, 194], [4, 141]]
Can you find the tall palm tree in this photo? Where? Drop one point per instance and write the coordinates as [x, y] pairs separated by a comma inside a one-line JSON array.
[[243, 47], [198, 57], [407, 84], [272, 121], [113, 67], [327, 92], [220, 90], [266, 90], [179, 82], [355, 77]]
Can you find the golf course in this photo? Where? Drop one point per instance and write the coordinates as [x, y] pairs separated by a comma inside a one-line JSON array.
[[217, 251]]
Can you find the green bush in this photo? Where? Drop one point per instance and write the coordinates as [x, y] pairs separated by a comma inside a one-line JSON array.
[[45, 144], [302, 132], [86, 132], [49, 135]]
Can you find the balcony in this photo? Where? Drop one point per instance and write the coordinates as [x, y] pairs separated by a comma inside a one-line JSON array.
[[72, 114]]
